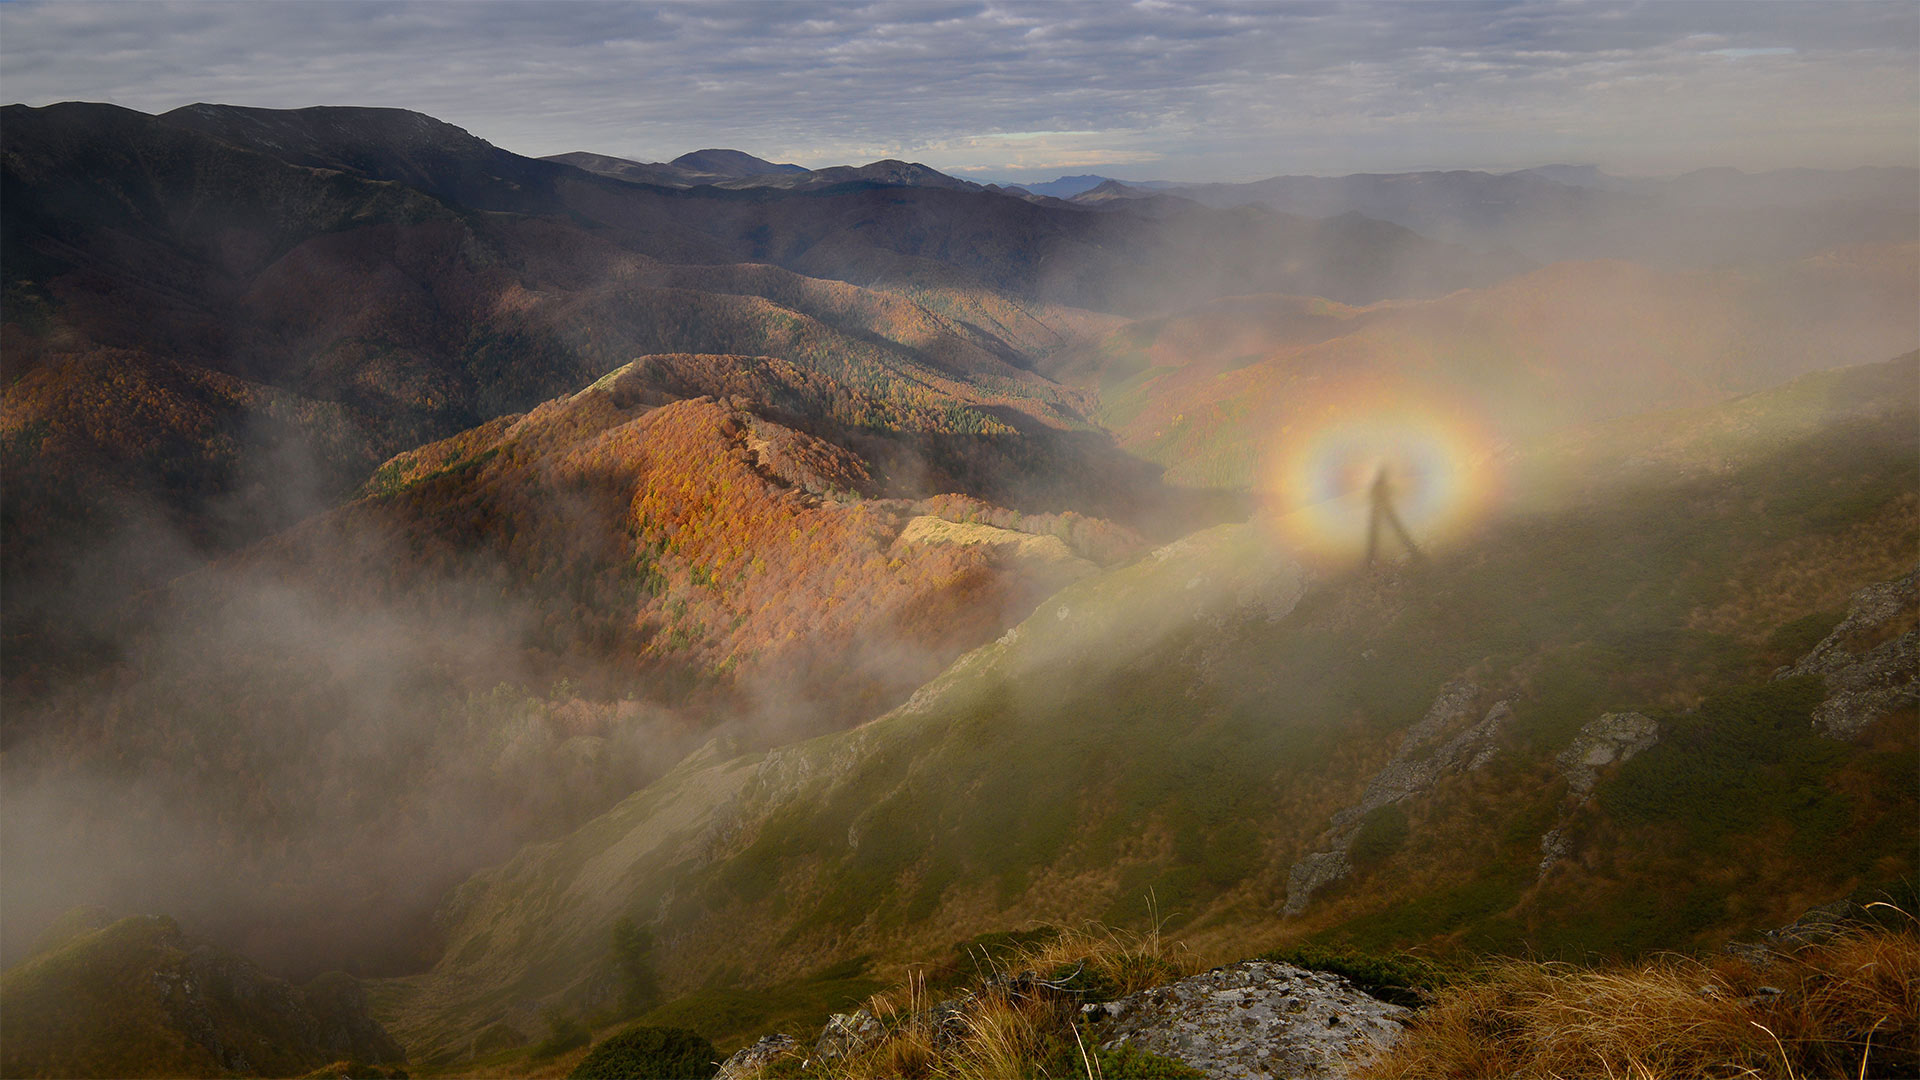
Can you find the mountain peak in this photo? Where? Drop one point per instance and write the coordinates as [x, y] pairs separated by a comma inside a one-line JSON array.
[[342, 123], [1110, 189], [730, 163]]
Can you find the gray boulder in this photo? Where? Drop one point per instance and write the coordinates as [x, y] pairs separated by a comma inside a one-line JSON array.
[[1607, 740], [848, 1033], [750, 1061], [1869, 673], [1254, 1019], [1885, 679]]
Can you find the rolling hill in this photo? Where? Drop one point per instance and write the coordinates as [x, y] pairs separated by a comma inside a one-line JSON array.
[[509, 631], [290, 297], [687, 170]]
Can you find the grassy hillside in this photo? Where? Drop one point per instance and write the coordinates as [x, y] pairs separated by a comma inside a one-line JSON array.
[[136, 997], [1184, 728]]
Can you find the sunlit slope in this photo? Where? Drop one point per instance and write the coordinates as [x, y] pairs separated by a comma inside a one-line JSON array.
[[207, 339], [1206, 393], [1187, 727]]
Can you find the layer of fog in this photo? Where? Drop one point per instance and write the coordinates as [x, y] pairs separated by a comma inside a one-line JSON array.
[[303, 779]]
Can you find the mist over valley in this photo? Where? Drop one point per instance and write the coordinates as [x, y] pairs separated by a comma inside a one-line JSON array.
[[474, 612]]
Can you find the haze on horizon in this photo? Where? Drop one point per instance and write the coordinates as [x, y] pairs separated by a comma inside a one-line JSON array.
[[1196, 91]]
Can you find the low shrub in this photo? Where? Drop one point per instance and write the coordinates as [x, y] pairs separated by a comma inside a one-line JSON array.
[[1400, 979], [650, 1053], [564, 1033]]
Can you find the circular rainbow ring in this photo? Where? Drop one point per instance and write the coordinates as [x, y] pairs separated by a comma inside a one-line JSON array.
[[1440, 463]]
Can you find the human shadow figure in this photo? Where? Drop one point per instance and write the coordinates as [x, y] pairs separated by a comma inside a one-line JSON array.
[[1381, 496]]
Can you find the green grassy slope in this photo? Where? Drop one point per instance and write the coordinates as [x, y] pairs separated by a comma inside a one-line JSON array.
[[138, 998], [1184, 727]]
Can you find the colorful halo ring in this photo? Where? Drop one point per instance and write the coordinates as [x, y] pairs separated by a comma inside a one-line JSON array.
[[1440, 463]]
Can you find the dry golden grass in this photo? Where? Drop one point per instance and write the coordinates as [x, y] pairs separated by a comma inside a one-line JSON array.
[[1133, 959], [1019, 1021], [1845, 1007]]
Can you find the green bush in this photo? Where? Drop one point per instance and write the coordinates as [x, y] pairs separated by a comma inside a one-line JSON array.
[[1401, 980], [564, 1033], [1085, 981], [650, 1053]]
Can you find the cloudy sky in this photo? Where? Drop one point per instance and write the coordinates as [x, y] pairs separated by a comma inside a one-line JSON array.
[[1192, 91]]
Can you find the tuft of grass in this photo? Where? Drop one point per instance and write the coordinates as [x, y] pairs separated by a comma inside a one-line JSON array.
[[1849, 1006], [1019, 1017], [1105, 960]]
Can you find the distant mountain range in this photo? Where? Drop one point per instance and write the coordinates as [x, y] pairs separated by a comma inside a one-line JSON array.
[[359, 281], [735, 170], [1549, 213], [1557, 212]]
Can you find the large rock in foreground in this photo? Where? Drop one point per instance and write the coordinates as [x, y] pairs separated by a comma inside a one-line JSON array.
[[1255, 1019]]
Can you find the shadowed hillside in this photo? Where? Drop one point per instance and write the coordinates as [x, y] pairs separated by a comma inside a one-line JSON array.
[[136, 997]]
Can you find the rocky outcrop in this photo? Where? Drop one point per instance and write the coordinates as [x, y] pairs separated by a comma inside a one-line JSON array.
[[1870, 667], [1606, 741], [1603, 742], [848, 1033], [1314, 872], [1884, 680], [1254, 1019], [248, 1020], [753, 1059], [1425, 755]]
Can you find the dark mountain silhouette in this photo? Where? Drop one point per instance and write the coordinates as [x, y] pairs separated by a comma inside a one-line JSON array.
[[687, 170], [409, 148], [1066, 187], [1109, 190], [656, 173], [731, 163], [887, 173]]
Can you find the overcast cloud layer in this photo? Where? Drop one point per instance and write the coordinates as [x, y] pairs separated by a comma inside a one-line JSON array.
[[1191, 91]]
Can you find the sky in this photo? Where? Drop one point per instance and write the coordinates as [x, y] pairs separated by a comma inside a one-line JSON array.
[[1198, 91]]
